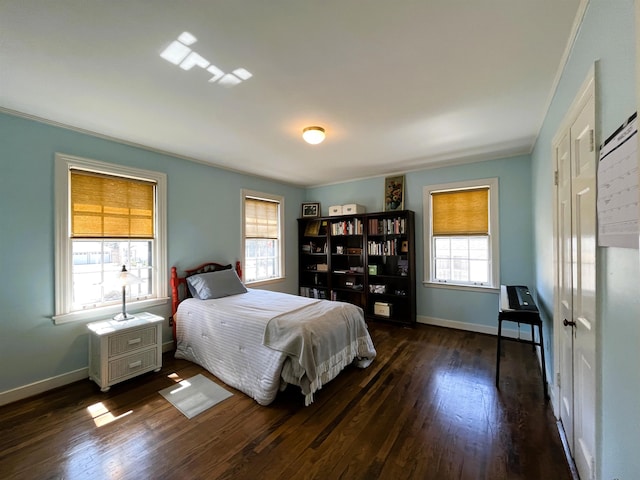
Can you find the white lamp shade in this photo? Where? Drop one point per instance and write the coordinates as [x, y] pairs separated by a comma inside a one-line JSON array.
[[313, 135], [125, 278]]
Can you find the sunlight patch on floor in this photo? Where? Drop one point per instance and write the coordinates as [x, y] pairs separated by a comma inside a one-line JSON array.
[[101, 414]]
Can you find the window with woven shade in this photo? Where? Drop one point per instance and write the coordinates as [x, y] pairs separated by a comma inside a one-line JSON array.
[[104, 206], [462, 240], [108, 216], [262, 233]]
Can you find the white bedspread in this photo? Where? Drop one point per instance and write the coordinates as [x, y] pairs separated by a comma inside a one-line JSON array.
[[261, 340]]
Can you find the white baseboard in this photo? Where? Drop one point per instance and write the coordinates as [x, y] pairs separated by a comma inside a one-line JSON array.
[[524, 334], [35, 388]]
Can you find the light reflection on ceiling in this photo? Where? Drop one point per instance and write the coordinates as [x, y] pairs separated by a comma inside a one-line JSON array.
[[179, 53]]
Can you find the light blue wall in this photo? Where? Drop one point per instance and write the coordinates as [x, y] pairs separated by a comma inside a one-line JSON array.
[[607, 36], [203, 224], [516, 260]]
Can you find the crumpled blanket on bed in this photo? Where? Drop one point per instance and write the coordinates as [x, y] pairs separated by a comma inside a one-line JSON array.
[[321, 339], [229, 337]]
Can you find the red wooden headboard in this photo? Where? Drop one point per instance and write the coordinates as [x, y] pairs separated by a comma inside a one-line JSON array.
[[179, 290]]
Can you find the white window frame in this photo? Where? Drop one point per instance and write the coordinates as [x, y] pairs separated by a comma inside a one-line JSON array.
[[494, 236], [245, 193], [63, 247]]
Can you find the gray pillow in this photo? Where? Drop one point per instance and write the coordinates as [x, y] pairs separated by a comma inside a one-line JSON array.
[[222, 283]]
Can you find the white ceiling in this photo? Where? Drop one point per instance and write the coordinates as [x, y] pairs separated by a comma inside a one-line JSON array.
[[399, 85]]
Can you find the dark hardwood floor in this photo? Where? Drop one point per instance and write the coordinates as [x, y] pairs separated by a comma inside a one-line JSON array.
[[427, 408]]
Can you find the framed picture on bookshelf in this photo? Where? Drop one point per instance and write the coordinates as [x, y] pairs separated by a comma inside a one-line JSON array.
[[394, 193], [310, 209]]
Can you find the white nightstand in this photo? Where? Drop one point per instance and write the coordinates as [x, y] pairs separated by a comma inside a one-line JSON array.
[[119, 350]]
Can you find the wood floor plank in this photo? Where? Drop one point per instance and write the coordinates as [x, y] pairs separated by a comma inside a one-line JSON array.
[[427, 408]]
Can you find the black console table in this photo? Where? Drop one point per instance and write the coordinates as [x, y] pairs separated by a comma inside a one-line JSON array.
[[517, 305]]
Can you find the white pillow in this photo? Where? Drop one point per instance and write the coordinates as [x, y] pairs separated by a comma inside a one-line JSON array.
[[222, 283]]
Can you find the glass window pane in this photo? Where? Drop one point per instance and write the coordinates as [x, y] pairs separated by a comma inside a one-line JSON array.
[[463, 260], [261, 259], [97, 265], [479, 248], [442, 247]]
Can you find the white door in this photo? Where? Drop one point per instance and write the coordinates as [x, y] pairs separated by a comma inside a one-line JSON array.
[[564, 265], [583, 252], [575, 325]]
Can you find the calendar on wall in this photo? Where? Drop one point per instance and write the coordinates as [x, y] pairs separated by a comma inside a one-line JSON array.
[[618, 195]]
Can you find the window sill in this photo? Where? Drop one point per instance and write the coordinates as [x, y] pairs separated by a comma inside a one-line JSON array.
[[468, 288], [105, 312], [260, 283]]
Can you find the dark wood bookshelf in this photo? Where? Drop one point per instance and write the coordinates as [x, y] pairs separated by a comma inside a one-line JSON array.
[[366, 259]]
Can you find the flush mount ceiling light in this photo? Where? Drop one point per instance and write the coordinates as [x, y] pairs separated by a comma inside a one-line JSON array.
[[313, 135]]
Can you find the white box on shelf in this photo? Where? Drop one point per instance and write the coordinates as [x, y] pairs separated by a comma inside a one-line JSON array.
[[335, 210], [352, 208], [383, 309]]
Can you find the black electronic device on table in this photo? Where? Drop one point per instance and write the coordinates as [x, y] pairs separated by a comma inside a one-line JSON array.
[[516, 297]]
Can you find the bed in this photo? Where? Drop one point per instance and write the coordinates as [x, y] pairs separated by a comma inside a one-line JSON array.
[[259, 341]]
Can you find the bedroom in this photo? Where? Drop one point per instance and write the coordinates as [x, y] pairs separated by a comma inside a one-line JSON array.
[[36, 351]]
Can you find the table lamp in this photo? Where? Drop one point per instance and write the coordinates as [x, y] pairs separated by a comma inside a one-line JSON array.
[[125, 278]]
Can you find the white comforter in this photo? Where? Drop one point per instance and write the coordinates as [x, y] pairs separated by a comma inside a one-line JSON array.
[[259, 341]]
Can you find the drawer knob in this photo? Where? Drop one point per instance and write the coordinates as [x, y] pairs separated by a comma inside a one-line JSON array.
[[135, 364], [133, 341]]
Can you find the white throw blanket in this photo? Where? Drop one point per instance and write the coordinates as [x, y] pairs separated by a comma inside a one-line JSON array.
[[321, 339]]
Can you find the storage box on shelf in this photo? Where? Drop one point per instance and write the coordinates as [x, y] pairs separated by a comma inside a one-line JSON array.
[[352, 208], [370, 259], [335, 210]]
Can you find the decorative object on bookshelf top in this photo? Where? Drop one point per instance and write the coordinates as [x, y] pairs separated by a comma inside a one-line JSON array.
[[310, 209], [394, 193], [316, 228]]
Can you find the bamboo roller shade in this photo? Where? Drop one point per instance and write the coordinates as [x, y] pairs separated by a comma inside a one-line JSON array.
[[261, 218], [104, 206], [461, 212]]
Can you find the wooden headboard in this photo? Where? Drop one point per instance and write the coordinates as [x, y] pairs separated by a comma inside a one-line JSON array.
[[179, 290]]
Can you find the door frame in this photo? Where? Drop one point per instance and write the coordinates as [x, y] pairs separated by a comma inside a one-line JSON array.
[[586, 91]]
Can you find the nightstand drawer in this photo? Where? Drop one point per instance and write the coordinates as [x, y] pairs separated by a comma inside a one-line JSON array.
[[132, 340], [133, 364]]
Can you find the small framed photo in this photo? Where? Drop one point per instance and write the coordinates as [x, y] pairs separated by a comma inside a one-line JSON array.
[[394, 193], [310, 209]]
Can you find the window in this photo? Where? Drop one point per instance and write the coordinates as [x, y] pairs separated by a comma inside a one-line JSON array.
[[262, 232], [461, 234], [107, 216]]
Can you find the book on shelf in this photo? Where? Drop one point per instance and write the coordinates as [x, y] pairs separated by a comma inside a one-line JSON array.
[[387, 226], [347, 227], [313, 292], [388, 247]]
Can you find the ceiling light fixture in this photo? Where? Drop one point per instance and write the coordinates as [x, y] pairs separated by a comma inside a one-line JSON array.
[[313, 135]]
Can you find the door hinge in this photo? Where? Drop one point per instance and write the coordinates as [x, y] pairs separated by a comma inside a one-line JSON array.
[[591, 141], [556, 177], [558, 379]]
